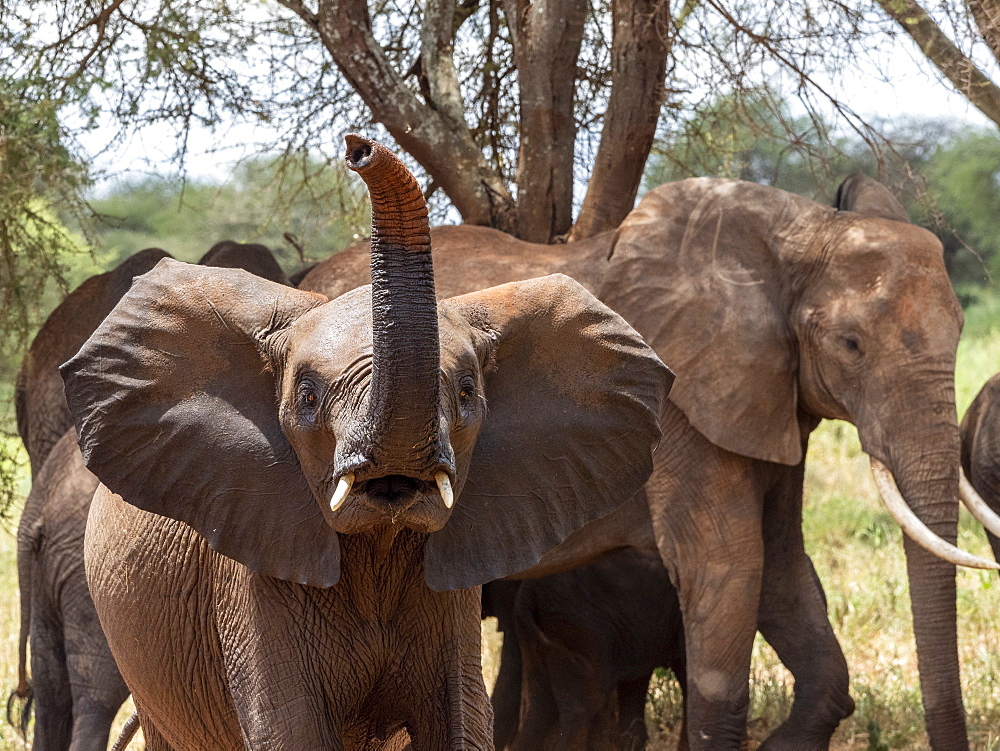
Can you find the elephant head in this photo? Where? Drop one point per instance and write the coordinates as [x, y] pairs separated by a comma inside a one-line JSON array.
[[273, 420]]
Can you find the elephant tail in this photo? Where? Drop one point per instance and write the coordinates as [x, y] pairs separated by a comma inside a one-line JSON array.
[[127, 733], [27, 538], [21, 405]]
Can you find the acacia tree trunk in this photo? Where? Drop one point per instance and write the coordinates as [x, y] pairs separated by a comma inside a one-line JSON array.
[[434, 136], [547, 35], [963, 73], [640, 45]]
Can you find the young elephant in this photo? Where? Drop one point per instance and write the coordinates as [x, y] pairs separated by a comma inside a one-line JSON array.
[[75, 683], [590, 640], [302, 495]]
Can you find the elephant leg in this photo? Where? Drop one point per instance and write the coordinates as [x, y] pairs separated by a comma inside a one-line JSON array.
[[707, 519], [794, 621], [506, 697], [452, 668], [632, 713], [98, 689], [152, 737], [50, 680]]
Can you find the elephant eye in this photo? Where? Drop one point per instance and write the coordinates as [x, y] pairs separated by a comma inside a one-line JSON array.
[[852, 343], [308, 396], [467, 396]]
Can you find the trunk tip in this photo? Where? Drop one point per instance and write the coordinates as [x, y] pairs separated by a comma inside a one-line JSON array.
[[359, 151]]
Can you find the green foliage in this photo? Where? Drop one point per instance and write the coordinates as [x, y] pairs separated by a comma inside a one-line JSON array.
[[309, 204], [964, 178], [948, 178], [35, 170], [751, 135]]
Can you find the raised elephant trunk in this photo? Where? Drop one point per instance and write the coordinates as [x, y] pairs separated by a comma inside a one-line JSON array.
[[403, 422]]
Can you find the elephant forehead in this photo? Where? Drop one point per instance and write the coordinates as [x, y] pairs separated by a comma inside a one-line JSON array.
[[339, 329]]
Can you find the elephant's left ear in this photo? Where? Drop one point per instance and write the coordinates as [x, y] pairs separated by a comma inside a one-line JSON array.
[[573, 399]]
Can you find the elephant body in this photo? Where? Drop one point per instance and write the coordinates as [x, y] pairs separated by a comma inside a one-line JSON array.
[[257, 672], [590, 640], [775, 312]]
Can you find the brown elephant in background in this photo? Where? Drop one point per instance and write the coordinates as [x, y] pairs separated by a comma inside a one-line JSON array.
[[590, 640], [301, 496], [775, 312], [75, 687], [980, 430]]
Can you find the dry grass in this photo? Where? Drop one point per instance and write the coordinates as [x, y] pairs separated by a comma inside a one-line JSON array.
[[857, 551]]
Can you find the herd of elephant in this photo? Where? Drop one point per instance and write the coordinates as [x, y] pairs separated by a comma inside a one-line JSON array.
[[300, 496]]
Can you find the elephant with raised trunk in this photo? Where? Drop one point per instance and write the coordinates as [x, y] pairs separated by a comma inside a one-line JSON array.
[[300, 496], [775, 312]]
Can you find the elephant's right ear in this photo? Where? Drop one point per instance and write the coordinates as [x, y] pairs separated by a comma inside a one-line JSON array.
[[861, 194], [176, 410]]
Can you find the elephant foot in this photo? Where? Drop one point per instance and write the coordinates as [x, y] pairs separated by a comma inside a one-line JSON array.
[[809, 731]]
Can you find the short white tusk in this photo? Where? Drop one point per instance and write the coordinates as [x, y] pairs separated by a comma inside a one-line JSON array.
[[444, 487], [916, 529], [976, 505], [342, 490]]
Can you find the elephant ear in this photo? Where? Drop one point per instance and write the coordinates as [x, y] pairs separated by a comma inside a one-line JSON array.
[[861, 194], [700, 265], [573, 397], [42, 414], [176, 411]]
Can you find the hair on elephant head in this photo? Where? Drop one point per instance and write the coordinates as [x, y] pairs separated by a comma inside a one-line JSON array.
[[268, 419]]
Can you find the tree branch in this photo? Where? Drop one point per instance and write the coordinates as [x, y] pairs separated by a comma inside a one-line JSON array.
[[443, 147], [547, 37], [986, 14], [640, 45], [437, 58], [940, 50]]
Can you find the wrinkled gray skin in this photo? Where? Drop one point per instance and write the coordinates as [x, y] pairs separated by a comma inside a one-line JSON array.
[[590, 640], [775, 312], [75, 686], [221, 411], [980, 430]]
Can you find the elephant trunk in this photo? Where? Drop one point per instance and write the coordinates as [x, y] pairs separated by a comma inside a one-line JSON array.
[[403, 421], [925, 466]]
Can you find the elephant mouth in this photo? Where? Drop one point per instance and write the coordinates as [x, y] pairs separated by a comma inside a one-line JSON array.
[[393, 501]]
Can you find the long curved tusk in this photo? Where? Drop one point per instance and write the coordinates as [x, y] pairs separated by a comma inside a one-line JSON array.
[[916, 529], [976, 505], [342, 490], [444, 487]]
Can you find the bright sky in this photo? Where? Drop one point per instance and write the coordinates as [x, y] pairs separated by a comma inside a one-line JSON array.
[[916, 90]]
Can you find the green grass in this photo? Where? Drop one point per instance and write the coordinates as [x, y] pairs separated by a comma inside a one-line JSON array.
[[857, 551]]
